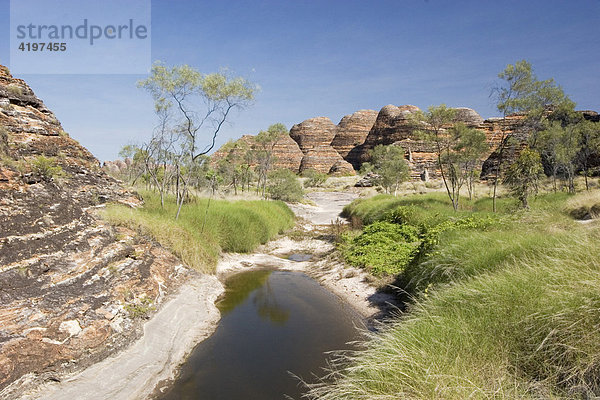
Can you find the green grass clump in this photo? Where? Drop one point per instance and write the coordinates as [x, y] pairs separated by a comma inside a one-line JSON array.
[[528, 330], [201, 232]]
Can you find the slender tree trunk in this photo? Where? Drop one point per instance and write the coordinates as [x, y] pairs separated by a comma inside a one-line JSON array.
[[182, 198]]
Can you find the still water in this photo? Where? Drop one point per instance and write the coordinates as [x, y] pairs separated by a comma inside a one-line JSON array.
[[274, 324]]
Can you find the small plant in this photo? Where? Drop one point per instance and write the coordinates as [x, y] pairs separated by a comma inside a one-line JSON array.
[[139, 308], [315, 178], [337, 229], [14, 90], [46, 168]]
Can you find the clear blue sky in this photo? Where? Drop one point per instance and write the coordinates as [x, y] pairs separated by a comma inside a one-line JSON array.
[[331, 58]]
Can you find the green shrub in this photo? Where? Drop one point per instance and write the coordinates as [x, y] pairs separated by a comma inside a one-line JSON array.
[[284, 185], [47, 168], [382, 248], [315, 178], [14, 90]]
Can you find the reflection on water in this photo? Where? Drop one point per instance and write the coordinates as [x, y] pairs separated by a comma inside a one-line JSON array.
[[273, 323], [239, 288]]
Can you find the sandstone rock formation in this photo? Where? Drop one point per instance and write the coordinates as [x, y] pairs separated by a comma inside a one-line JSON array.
[[333, 149], [69, 283], [352, 131], [313, 132], [326, 160], [286, 153]]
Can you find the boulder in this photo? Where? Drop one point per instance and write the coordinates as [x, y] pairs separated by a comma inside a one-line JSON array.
[[352, 131], [321, 159], [342, 168], [313, 132], [468, 116]]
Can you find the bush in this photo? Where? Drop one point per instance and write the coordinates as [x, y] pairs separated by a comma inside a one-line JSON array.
[[14, 90], [46, 168], [382, 248], [284, 185], [315, 178]]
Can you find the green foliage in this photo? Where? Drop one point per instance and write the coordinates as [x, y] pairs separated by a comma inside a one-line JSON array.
[[521, 91], [506, 307], [382, 247], [238, 226], [47, 168], [14, 90], [182, 88], [284, 185], [524, 174], [139, 308], [315, 178], [389, 163]]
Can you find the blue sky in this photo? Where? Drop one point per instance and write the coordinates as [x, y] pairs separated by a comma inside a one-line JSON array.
[[331, 58]]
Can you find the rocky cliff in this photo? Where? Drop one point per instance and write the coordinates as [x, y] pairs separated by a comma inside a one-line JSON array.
[[73, 289]]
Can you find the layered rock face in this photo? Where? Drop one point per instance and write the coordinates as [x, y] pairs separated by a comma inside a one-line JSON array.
[[68, 281], [352, 131], [286, 153], [313, 132], [342, 149]]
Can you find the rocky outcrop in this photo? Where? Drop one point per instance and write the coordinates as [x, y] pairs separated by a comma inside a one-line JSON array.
[[468, 116], [313, 132], [358, 133], [392, 125], [326, 160], [72, 287], [285, 153], [352, 131]]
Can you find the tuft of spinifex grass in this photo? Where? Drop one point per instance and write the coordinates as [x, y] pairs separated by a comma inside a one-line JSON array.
[[528, 330], [203, 230]]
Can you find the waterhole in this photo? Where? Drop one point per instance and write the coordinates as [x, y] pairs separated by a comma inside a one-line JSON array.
[[275, 326]]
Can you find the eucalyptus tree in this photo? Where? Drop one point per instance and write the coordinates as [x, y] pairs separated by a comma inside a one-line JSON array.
[[520, 91], [469, 147], [201, 105], [434, 123], [389, 163], [265, 143], [524, 174], [589, 146]]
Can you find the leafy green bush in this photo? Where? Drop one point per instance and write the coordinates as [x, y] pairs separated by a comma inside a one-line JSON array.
[[284, 185], [315, 178], [47, 168], [382, 247]]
